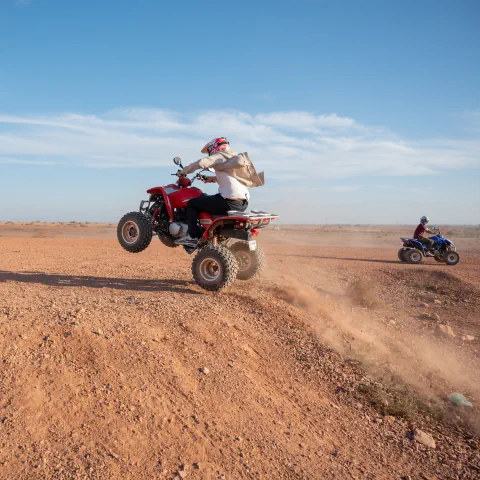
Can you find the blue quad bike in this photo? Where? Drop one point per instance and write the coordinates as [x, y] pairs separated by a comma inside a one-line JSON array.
[[442, 251]]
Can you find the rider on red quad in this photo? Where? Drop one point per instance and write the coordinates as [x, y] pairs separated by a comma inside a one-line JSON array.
[[232, 191], [420, 232]]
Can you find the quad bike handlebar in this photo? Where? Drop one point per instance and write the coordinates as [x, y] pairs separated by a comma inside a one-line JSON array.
[[197, 176]]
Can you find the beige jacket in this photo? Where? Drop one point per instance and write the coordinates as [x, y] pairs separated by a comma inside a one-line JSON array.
[[238, 165]]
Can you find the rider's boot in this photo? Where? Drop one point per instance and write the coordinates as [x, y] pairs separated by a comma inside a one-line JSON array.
[[187, 240]]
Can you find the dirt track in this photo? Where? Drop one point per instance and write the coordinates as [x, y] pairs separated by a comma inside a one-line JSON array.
[[103, 354]]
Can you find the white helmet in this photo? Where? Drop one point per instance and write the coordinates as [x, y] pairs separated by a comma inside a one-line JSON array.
[[424, 220]]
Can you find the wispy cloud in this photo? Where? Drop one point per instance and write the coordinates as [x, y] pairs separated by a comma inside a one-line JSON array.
[[288, 144], [344, 188], [21, 3]]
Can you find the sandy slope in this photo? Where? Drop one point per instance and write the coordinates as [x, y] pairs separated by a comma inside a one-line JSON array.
[[103, 354]]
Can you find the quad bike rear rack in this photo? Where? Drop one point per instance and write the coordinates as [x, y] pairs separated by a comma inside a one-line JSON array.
[[256, 218]]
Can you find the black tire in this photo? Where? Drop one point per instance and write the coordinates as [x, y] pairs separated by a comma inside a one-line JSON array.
[[402, 254], [250, 262], [214, 268], [414, 256], [451, 258], [134, 232], [167, 241]]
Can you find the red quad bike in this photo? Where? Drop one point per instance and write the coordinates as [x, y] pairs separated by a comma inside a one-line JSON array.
[[227, 249]]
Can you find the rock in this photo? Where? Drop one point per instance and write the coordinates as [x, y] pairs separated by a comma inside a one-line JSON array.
[[98, 331], [204, 370], [425, 316], [458, 399], [424, 305], [389, 419], [114, 455], [437, 302], [446, 330], [436, 316], [468, 338], [424, 438]]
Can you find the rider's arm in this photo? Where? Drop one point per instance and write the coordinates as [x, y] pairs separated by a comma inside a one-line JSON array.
[[207, 162]]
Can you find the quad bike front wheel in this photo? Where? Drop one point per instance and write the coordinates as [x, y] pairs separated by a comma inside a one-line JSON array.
[[402, 255], [414, 256], [214, 268], [451, 258], [134, 232], [250, 262]]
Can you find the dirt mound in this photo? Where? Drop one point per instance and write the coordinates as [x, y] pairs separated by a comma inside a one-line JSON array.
[[118, 366]]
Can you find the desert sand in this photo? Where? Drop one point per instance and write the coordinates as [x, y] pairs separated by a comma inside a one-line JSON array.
[[335, 364]]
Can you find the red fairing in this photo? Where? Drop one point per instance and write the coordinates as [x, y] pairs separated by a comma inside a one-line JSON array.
[[181, 196], [175, 197]]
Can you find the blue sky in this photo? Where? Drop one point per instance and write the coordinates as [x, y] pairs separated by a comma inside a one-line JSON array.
[[359, 111]]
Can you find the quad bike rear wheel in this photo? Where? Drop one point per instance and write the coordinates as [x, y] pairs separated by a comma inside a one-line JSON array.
[[452, 258], [134, 232], [214, 268], [414, 256], [250, 262], [402, 255]]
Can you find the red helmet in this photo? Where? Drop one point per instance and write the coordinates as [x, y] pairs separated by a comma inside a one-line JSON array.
[[216, 145]]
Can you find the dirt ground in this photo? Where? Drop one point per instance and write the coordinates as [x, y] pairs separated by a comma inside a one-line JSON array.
[[335, 364]]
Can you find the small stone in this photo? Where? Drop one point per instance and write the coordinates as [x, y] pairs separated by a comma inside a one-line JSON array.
[[389, 419], [424, 315], [204, 370], [424, 438], [114, 455], [67, 334], [424, 305], [182, 472], [468, 338], [446, 330], [359, 405], [436, 316], [98, 331], [437, 302]]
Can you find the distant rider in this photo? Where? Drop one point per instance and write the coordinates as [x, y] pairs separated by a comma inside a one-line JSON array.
[[419, 233], [232, 193]]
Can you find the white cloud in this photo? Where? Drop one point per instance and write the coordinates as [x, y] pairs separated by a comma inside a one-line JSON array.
[[344, 188], [287, 144]]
